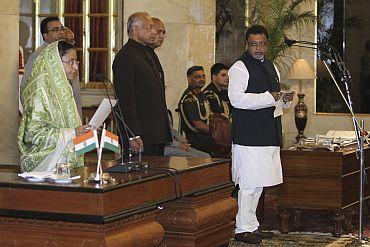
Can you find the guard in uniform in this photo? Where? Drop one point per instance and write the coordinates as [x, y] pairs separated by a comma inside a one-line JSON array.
[[216, 91], [195, 111]]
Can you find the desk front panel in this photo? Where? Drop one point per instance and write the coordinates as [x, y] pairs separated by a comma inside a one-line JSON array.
[[320, 179]]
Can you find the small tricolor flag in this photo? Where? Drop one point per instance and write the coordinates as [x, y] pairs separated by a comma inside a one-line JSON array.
[[86, 142], [109, 141]]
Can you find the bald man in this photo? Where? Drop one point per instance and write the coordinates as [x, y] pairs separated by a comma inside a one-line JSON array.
[[139, 86], [160, 33], [69, 36], [179, 146]]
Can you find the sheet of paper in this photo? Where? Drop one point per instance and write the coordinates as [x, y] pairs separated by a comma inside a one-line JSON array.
[[39, 175], [102, 112], [288, 103], [278, 108], [345, 134]]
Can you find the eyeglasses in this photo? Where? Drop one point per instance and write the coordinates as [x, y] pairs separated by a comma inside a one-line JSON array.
[[72, 62], [255, 44], [57, 29], [199, 76]]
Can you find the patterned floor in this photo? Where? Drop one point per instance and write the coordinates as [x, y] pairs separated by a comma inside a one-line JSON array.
[[298, 239], [315, 230]]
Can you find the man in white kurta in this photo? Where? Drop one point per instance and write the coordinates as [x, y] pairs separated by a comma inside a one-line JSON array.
[[255, 95]]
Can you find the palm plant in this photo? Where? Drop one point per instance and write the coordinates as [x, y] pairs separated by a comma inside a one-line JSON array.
[[223, 17], [280, 16]]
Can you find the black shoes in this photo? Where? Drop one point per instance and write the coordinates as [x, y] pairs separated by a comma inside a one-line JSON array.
[[253, 237], [263, 234], [248, 238]]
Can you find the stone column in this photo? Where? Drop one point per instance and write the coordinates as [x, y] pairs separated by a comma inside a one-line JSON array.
[[9, 19], [190, 28]]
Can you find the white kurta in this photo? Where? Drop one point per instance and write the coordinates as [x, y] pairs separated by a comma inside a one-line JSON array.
[[252, 166]]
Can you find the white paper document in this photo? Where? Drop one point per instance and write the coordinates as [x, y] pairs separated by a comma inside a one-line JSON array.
[[280, 104], [39, 175], [344, 134], [102, 112], [278, 108]]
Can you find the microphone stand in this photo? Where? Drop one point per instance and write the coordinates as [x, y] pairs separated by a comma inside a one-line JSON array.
[[122, 166], [335, 57]]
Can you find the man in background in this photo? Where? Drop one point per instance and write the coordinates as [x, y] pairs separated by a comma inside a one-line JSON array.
[[69, 36], [179, 145], [195, 111], [216, 91]]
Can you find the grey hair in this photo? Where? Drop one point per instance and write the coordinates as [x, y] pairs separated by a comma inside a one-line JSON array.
[[134, 19]]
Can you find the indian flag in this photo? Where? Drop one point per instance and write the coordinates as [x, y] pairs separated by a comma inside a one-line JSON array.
[[86, 142], [110, 140]]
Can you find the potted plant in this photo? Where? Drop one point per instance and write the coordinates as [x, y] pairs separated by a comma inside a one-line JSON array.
[[280, 16]]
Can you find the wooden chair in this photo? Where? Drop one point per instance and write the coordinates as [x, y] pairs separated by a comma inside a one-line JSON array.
[[220, 128]]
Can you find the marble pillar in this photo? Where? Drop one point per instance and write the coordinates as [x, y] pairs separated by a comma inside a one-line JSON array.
[[9, 18], [190, 28]]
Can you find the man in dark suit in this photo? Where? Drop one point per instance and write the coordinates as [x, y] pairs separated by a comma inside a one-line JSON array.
[[139, 85]]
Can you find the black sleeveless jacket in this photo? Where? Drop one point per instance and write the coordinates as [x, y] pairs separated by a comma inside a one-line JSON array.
[[258, 127]]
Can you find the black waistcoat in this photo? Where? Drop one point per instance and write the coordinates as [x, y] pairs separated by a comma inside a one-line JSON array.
[[258, 127]]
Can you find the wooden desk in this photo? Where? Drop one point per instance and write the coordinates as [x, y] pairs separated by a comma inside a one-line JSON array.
[[320, 180], [135, 209]]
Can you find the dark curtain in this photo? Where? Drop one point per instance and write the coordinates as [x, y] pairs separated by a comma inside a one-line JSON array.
[[98, 34]]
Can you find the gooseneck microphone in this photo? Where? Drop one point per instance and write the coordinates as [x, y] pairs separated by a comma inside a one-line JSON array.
[[118, 117], [119, 114], [300, 43], [289, 42]]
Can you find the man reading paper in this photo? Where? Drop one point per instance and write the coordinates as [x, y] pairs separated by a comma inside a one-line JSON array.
[[254, 92]]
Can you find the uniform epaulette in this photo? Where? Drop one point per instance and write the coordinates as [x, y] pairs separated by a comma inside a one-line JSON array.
[[207, 92], [210, 95], [190, 98]]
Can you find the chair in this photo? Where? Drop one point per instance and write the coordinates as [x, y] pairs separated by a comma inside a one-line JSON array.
[[220, 128]]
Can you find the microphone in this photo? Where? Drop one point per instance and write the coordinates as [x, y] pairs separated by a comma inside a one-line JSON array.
[[289, 42], [122, 167], [302, 43], [104, 79]]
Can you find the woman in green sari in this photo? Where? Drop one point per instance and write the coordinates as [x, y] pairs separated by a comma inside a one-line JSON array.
[[50, 120]]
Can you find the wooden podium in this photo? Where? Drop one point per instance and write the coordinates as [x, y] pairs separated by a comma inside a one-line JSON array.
[[142, 208], [321, 180]]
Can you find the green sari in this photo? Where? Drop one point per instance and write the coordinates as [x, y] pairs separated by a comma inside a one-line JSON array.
[[50, 116]]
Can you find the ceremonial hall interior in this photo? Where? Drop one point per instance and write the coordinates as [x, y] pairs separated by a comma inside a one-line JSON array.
[[321, 49]]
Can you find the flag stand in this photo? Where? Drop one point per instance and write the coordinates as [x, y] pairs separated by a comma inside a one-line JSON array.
[[99, 172]]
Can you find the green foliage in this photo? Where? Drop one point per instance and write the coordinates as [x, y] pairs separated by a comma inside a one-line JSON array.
[[223, 17], [279, 16]]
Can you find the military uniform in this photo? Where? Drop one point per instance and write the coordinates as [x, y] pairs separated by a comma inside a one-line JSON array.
[[195, 107], [218, 100]]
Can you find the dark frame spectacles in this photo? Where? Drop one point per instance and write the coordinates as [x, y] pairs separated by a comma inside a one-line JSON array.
[[57, 29], [255, 44]]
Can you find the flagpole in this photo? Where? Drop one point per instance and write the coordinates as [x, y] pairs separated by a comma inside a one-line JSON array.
[[99, 171]]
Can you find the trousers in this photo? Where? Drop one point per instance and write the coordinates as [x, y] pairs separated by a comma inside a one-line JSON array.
[[246, 219]]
